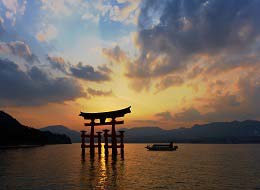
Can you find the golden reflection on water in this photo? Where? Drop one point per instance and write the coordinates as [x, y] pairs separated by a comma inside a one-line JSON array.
[[101, 172], [102, 177], [193, 166]]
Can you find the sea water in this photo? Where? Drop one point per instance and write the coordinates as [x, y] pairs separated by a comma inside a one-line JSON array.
[[192, 166]]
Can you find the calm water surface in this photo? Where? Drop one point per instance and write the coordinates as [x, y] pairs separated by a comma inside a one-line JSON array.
[[59, 167]]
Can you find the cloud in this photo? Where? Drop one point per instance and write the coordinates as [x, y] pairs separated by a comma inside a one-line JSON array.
[[249, 90], [2, 28], [11, 5], [87, 72], [60, 7], [164, 115], [138, 84], [139, 76], [47, 33], [94, 92], [14, 8], [126, 12], [210, 32], [168, 82], [104, 68], [57, 63], [241, 104], [179, 32], [195, 71], [80, 71], [90, 17], [188, 115], [33, 87], [142, 122], [115, 54], [18, 49]]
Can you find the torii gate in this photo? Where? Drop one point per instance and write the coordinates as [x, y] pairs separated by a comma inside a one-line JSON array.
[[102, 116]]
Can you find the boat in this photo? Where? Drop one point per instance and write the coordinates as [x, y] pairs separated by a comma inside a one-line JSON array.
[[162, 147]]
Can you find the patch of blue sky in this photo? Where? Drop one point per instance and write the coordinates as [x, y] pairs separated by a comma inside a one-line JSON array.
[[27, 25], [114, 30], [24, 28], [119, 4]]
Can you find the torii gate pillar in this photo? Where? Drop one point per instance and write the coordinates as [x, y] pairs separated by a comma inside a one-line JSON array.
[[102, 116]]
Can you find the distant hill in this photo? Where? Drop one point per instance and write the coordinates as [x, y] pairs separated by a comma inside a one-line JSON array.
[[60, 129], [218, 132], [12, 132], [146, 134]]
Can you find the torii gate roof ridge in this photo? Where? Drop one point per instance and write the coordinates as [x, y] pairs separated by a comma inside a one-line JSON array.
[[109, 114]]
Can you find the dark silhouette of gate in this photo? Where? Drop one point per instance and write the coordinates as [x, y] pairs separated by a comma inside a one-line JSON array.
[[102, 117]]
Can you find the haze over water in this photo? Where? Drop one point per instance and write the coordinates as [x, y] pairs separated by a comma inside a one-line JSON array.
[[190, 167]]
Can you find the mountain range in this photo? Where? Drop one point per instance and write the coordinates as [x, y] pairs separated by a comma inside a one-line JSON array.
[[218, 132], [13, 133], [60, 129]]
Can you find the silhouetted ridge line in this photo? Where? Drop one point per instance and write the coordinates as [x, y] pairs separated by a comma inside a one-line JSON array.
[[12, 133], [60, 129], [247, 131], [218, 132]]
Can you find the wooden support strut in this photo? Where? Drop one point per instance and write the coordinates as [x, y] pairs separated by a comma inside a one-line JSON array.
[[122, 143], [106, 123], [99, 142], [83, 136], [114, 140], [91, 141], [113, 145], [106, 141]]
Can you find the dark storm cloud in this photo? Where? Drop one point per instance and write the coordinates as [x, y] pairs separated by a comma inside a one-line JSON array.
[[33, 87], [178, 30], [87, 72], [194, 26]]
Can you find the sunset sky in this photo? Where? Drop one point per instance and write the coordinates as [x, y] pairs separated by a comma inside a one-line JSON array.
[[176, 62]]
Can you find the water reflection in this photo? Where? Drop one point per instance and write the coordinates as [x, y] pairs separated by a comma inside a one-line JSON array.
[[101, 172], [195, 167]]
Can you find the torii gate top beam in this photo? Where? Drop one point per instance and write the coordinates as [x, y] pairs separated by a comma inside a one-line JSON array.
[[103, 115]]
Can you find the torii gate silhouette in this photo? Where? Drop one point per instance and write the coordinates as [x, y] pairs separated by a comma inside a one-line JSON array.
[[102, 116]]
